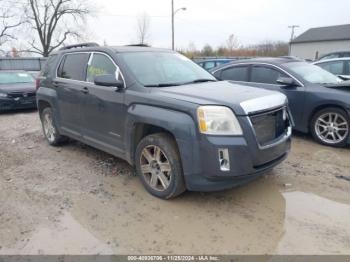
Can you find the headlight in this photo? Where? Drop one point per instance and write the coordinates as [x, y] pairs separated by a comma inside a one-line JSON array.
[[3, 95], [218, 120]]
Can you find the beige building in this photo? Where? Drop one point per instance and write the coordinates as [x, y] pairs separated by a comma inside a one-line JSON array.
[[316, 42]]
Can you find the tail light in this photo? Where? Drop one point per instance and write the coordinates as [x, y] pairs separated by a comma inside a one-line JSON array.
[[37, 83]]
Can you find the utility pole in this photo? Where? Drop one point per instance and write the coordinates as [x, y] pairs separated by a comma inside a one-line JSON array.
[[292, 27], [172, 23], [172, 26]]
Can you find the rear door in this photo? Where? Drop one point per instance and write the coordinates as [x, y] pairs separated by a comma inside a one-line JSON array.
[[70, 91], [103, 109]]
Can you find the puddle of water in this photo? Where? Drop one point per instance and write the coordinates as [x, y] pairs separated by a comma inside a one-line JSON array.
[[315, 225], [68, 237]]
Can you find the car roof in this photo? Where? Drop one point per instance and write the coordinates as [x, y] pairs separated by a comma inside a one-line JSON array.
[[268, 60], [117, 49], [332, 59]]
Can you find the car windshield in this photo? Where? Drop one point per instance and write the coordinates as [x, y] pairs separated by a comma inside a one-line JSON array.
[[312, 73], [157, 69], [15, 77]]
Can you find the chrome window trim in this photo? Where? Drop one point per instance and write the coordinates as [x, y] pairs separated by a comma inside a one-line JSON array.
[[89, 61], [253, 64]]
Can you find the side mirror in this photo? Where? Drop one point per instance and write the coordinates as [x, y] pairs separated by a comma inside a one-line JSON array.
[[108, 80], [286, 81], [344, 77]]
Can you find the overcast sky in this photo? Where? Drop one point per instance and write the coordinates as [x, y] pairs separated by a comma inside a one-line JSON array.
[[211, 21]]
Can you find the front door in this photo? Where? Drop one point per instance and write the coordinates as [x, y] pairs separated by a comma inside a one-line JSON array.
[[103, 109]]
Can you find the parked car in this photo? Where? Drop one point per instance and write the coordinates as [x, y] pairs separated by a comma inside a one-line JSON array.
[[338, 54], [165, 115], [32, 65], [208, 64], [17, 90], [319, 102], [337, 66]]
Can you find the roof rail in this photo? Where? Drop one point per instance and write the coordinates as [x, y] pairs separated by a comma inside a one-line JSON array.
[[90, 44]]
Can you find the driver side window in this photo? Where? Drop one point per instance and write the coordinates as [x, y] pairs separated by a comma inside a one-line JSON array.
[[101, 65]]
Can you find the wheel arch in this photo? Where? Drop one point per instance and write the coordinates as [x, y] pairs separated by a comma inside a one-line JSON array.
[[144, 120], [323, 106]]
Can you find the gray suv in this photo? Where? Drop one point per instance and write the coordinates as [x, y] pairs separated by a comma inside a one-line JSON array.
[[168, 117]]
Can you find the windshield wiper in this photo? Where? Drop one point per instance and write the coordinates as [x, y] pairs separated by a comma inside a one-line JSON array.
[[162, 85], [201, 80]]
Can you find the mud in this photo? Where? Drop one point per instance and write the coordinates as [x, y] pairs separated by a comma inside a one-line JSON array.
[[78, 200]]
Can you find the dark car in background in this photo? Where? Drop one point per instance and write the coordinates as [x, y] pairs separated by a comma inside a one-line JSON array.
[[337, 66], [319, 101], [17, 90]]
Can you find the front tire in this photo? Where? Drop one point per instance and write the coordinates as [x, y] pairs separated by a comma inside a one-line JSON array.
[[158, 165], [331, 127], [50, 130]]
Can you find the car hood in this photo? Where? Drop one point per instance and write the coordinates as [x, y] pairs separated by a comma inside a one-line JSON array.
[[17, 87], [242, 99]]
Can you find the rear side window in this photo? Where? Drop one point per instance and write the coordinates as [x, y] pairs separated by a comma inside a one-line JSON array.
[[336, 68], [238, 73], [265, 75], [73, 66]]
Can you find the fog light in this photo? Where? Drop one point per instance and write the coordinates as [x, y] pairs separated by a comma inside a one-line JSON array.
[[224, 159]]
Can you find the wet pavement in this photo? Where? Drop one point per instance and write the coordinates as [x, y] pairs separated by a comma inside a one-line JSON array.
[[78, 200]]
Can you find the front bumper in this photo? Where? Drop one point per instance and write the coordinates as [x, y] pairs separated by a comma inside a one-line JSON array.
[[247, 159], [7, 104]]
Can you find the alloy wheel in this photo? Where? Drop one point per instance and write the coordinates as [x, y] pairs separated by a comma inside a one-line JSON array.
[[155, 168], [331, 128], [49, 128]]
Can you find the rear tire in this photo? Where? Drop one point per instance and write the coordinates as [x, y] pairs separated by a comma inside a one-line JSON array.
[[50, 130], [158, 165], [331, 127]]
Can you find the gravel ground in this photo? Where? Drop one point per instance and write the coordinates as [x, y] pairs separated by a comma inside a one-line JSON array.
[[77, 200]]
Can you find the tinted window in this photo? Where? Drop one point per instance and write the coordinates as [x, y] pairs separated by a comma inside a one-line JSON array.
[[101, 65], [238, 73], [74, 66], [265, 75], [333, 67]]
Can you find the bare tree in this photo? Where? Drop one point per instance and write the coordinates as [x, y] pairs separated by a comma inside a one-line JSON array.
[[232, 43], [8, 21], [54, 21], [143, 28]]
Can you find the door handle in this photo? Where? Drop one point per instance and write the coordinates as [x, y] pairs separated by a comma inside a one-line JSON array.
[[85, 90], [55, 84]]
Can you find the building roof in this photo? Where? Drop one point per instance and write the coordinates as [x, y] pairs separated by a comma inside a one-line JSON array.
[[328, 33]]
